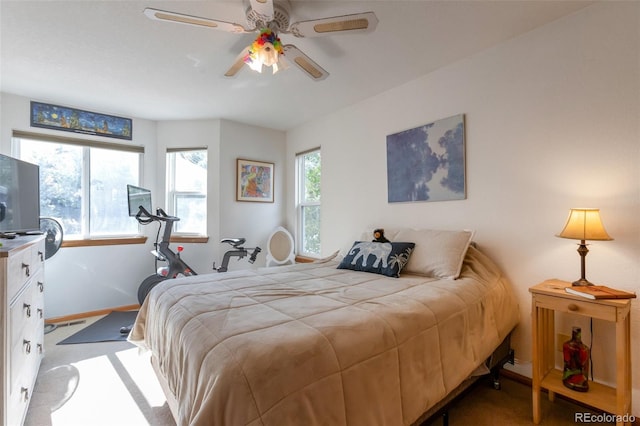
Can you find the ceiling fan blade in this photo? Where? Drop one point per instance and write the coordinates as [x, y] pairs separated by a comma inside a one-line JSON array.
[[356, 23], [306, 64], [238, 63], [264, 8], [180, 18]]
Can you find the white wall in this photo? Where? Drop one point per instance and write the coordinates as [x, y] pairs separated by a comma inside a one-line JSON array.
[[551, 123], [255, 221], [85, 279]]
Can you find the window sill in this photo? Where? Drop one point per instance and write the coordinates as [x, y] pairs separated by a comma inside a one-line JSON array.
[[189, 239], [104, 241], [113, 241]]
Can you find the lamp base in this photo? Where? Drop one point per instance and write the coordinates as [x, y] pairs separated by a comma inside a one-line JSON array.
[[581, 282]]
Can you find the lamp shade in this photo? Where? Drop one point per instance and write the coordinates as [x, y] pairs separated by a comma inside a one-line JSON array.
[[584, 224]]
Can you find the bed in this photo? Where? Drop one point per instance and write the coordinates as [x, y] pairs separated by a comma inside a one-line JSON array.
[[324, 344]]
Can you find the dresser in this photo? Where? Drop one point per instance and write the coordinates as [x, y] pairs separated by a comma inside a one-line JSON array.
[[22, 315]]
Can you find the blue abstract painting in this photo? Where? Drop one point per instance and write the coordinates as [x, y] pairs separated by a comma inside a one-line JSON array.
[[427, 163]]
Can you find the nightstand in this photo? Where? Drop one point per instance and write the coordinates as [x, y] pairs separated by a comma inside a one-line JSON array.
[[549, 297]]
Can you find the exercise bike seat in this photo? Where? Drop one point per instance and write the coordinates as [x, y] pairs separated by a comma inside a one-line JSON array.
[[233, 241]]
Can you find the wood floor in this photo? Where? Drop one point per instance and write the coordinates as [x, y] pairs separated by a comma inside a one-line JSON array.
[[483, 405]]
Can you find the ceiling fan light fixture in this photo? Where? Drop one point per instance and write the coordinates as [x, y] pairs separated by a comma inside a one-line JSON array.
[[270, 18], [264, 51]]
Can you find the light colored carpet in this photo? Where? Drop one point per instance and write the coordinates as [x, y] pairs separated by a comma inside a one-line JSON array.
[[107, 383], [111, 384]]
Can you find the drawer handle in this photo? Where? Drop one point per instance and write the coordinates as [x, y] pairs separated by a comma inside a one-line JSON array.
[[573, 307], [25, 266], [41, 254], [27, 346], [41, 286], [40, 349], [27, 309], [40, 313], [25, 394]]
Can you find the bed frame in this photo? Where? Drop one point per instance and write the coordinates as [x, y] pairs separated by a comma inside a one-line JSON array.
[[502, 355]]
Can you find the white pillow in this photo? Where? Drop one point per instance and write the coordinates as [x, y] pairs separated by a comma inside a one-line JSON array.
[[437, 253]]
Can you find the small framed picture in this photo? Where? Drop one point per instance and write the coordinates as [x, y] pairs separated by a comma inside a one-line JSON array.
[[254, 181]]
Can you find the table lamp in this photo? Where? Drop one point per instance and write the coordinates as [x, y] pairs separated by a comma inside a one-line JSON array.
[[584, 224]]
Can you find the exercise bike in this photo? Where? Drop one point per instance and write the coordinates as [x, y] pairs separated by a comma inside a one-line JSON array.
[[175, 265], [237, 251]]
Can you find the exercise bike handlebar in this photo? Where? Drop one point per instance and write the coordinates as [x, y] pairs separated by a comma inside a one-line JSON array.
[[176, 265], [145, 217]]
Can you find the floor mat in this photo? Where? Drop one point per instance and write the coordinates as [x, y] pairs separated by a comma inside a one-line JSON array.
[[106, 329]]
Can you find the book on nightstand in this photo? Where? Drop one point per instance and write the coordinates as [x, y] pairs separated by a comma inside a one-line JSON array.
[[599, 292]]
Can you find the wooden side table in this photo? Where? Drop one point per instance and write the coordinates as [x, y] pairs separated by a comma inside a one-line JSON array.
[[549, 297]]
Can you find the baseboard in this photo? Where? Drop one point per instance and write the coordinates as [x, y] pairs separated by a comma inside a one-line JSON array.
[[516, 377], [83, 315]]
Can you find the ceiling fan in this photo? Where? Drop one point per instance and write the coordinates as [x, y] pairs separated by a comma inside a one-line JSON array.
[[270, 18]]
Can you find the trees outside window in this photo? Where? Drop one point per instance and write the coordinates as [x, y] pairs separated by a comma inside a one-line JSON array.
[[83, 185], [308, 171], [187, 189]]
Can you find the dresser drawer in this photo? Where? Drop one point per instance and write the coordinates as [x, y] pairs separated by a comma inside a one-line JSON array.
[[20, 269], [37, 257], [587, 308], [26, 326], [26, 356], [26, 353], [28, 304], [21, 313], [20, 393], [19, 358]]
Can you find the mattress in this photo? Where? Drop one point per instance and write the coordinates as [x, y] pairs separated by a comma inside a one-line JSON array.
[[315, 345]]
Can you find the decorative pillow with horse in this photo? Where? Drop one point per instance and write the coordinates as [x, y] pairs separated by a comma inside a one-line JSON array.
[[380, 258]]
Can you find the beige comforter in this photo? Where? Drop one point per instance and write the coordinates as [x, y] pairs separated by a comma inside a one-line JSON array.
[[310, 344]]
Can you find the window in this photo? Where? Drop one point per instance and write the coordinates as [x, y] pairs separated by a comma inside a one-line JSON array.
[[308, 172], [83, 184], [187, 189]]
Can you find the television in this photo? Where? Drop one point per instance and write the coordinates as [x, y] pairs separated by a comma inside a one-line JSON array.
[[138, 197], [19, 196]]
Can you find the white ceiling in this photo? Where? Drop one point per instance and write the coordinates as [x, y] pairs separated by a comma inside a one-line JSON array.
[[107, 56]]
